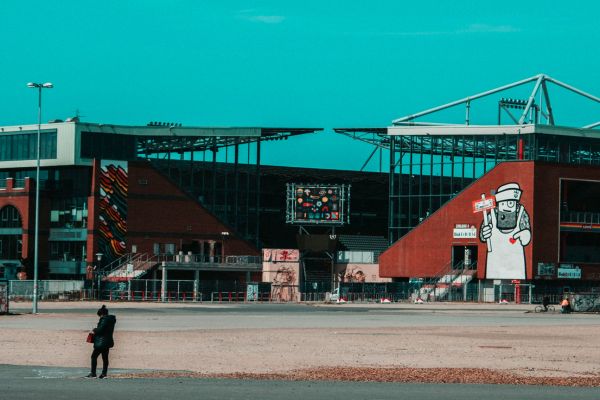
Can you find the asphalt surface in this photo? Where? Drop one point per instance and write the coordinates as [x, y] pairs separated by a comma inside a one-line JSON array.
[[20, 382], [27, 382], [172, 317]]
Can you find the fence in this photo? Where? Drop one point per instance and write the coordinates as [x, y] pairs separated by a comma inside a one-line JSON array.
[[309, 291], [49, 290]]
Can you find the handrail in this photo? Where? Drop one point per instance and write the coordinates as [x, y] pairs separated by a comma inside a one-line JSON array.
[[203, 258], [118, 263], [436, 277], [141, 260]]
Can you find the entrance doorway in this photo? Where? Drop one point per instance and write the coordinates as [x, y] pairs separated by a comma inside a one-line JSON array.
[[464, 256]]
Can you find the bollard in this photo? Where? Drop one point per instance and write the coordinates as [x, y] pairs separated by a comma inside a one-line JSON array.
[[229, 296]]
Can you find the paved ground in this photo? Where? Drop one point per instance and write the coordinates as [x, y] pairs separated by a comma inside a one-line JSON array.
[[272, 338], [27, 383]]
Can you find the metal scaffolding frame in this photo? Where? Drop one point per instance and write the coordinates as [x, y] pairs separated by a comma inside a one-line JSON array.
[[430, 162], [232, 194], [541, 83]]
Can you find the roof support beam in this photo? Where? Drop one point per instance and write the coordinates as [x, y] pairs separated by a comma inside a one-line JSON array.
[[548, 105], [408, 118], [574, 89], [531, 99]]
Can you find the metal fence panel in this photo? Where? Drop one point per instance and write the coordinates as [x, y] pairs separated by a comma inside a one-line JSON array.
[[50, 289], [4, 301]]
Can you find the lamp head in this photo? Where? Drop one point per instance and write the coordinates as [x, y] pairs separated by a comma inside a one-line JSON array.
[[31, 85], [48, 85]]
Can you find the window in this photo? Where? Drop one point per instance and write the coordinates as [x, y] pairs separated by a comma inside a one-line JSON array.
[[69, 212], [170, 248], [10, 217], [67, 251], [107, 146], [359, 257], [22, 145]]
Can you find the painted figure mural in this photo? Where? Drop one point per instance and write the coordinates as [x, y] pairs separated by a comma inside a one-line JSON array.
[[506, 230], [113, 209], [283, 287]]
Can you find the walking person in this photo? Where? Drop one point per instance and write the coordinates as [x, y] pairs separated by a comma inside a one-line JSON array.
[[103, 341], [566, 306]]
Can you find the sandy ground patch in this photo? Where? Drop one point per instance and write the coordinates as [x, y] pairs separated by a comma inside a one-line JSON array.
[[531, 351]]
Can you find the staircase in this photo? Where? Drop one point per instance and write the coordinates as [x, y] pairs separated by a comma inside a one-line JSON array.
[[130, 266], [317, 274], [439, 287]]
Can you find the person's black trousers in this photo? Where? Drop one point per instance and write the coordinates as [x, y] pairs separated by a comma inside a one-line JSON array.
[[95, 355]]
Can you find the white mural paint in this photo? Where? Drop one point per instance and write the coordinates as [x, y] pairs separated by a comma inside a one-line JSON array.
[[507, 231]]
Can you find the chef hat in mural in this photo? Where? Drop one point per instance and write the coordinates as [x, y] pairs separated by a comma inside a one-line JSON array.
[[510, 191]]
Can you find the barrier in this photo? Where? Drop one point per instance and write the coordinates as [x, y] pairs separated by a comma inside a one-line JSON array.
[[49, 290]]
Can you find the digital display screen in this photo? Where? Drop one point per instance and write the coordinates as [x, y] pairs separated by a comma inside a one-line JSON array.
[[314, 204]]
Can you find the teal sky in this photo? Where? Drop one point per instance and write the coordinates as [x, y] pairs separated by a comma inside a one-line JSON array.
[[282, 63]]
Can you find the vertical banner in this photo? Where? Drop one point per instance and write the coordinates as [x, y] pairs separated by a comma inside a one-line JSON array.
[[113, 209]]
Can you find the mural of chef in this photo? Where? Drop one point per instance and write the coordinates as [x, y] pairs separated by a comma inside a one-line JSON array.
[[507, 231]]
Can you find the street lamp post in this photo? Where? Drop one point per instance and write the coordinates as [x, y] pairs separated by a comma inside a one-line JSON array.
[[98, 273], [38, 86]]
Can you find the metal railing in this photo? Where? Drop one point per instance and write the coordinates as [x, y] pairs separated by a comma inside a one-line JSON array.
[[206, 259], [49, 290], [581, 217]]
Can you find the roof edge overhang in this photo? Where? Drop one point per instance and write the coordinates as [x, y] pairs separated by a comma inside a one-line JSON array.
[[169, 131], [479, 130]]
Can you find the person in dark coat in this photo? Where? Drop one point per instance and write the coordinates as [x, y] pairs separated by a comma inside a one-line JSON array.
[[103, 341]]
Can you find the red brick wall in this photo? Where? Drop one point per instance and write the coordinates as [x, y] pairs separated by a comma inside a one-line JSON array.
[[23, 199], [425, 250], [546, 231], [158, 212]]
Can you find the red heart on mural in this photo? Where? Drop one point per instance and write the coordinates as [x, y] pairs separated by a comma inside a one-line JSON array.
[[512, 240]]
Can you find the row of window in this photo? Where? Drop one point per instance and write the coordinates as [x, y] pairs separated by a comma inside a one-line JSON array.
[[22, 146]]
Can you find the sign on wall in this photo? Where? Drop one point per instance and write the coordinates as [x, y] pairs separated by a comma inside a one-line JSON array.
[[568, 273], [464, 231], [546, 269]]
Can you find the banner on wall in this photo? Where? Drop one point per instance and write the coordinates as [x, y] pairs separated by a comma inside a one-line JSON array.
[[281, 255], [568, 272], [112, 213]]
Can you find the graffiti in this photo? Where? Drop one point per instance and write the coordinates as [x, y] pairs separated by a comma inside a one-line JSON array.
[[281, 255], [283, 286], [113, 211], [355, 275], [586, 302], [506, 231]]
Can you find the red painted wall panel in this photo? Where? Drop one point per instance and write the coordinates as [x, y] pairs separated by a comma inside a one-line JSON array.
[[159, 212], [546, 231], [427, 249]]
